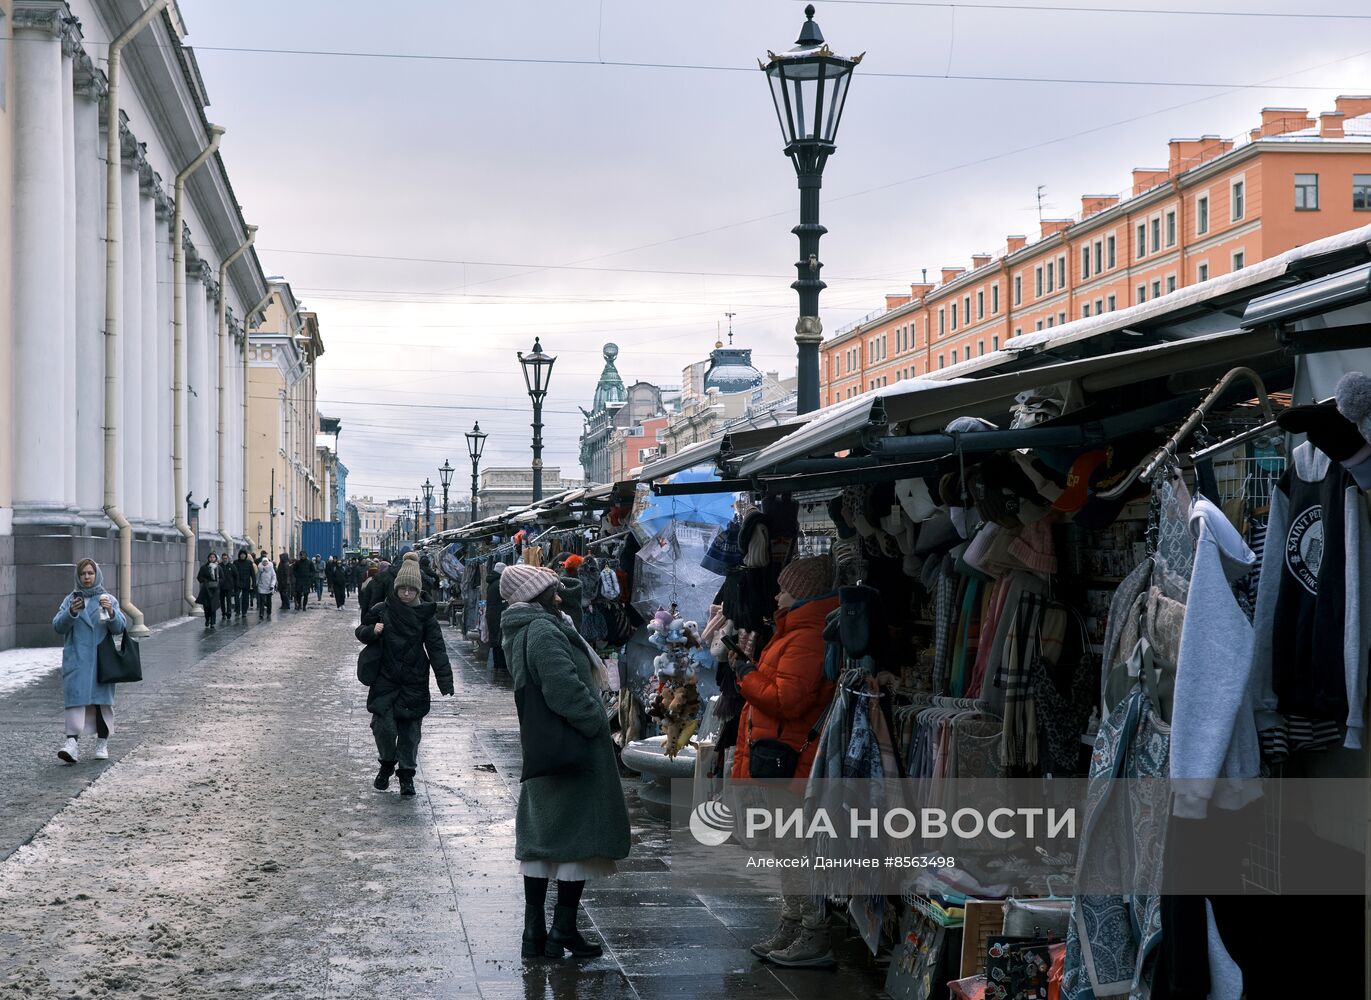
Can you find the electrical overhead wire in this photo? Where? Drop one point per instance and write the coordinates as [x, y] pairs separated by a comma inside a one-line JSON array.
[[1062, 9]]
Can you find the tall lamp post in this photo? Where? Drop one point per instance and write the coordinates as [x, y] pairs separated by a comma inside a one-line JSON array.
[[428, 506], [445, 474], [414, 521], [809, 87], [476, 443], [537, 372]]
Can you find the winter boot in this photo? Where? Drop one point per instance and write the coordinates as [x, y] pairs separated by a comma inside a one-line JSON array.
[[70, 751], [406, 776], [102, 748], [810, 950], [563, 937], [382, 781], [781, 939], [535, 930]]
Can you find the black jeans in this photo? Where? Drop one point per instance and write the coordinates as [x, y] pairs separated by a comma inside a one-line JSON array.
[[339, 594], [211, 608], [397, 739], [244, 600], [263, 606], [301, 598]]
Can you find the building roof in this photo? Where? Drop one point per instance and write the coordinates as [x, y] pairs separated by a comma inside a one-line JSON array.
[[730, 370]]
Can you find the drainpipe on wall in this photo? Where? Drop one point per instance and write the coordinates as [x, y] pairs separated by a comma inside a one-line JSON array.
[[223, 371], [178, 309], [113, 248]]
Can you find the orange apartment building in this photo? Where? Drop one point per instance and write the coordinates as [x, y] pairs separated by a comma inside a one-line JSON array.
[[1218, 205]]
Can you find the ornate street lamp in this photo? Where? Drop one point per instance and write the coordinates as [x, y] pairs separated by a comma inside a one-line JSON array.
[[809, 88], [476, 443], [428, 506], [445, 474], [414, 520], [537, 372]]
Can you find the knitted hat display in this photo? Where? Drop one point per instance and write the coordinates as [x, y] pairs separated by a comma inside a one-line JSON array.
[[521, 583], [914, 497], [804, 579], [839, 518], [573, 563], [1034, 548], [1353, 396], [409, 575]]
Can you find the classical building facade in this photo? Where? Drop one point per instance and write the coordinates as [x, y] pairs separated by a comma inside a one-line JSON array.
[[371, 522], [513, 487], [285, 486], [118, 401], [1217, 206]]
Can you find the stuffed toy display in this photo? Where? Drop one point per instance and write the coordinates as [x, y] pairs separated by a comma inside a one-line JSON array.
[[674, 695]]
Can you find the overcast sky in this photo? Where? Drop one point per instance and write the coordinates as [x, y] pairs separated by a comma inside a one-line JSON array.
[[465, 188]]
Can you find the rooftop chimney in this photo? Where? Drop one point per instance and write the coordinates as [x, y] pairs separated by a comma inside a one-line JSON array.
[[1278, 121], [895, 301], [1146, 178], [921, 288], [952, 273], [1353, 105], [1016, 243], [1330, 125], [979, 260], [1092, 203], [1051, 227]]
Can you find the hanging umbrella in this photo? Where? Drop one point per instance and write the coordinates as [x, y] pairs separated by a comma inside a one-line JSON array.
[[654, 513]]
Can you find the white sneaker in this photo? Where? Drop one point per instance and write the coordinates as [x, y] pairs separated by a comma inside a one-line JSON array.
[[102, 749], [70, 752]]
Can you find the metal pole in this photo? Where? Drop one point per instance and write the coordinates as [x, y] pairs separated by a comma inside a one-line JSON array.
[[445, 506], [537, 449], [809, 332], [474, 463]]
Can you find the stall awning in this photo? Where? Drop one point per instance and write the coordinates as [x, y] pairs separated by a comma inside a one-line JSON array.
[[921, 405]]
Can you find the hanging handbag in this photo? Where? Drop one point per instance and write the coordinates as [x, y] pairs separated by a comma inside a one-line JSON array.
[[118, 665], [370, 658], [774, 758], [551, 745]]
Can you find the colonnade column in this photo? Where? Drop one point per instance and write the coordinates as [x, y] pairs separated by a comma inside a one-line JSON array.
[[131, 448], [196, 426], [210, 446], [39, 290], [150, 352], [70, 47], [88, 404], [166, 503]]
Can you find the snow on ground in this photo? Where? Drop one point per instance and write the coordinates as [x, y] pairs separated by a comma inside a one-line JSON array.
[[19, 667]]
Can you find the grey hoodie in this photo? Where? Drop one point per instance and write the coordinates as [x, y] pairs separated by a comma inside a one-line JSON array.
[[1213, 724]]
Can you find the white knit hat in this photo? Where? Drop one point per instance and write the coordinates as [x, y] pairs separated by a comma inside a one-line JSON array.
[[521, 583]]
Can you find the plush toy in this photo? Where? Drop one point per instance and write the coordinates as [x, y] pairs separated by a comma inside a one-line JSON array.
[[682, 711]]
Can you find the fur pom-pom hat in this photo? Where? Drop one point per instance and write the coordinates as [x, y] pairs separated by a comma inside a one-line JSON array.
[[1353, 396]]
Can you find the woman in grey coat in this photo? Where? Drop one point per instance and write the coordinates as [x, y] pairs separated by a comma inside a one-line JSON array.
[[86, 616], [569, 827]]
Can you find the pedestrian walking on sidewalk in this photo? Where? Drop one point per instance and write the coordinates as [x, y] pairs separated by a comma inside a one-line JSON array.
[[569, 827], [411, 646], [211, 579], [318, 578], [86, 616], [228, 587], [495, 607], [285, 582], [266, 583], [303, 577], [336, 576], [244, 575], [366, 593]]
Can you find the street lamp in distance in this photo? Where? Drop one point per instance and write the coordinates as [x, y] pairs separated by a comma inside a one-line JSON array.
[[537, 368], [428, 506], [445, 474], [809, 88], [476, 443]]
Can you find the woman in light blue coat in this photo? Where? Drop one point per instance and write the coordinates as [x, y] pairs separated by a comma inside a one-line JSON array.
[[87, 614]]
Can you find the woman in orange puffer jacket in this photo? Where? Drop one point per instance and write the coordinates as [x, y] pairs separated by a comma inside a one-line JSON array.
[[787, 695]]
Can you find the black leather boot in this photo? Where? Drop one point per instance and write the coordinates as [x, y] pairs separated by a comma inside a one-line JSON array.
[[563, 936], [406, 776], [382, 781], [535, 930]]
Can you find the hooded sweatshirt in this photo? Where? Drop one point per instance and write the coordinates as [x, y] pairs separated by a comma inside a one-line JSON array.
[[1312, 619], [1213, 726]]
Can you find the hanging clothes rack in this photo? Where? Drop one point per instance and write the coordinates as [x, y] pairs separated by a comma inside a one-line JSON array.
[[1269, 427], [1167, 453]]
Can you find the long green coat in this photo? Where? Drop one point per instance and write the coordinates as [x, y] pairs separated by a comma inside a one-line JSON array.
[[565, 817]]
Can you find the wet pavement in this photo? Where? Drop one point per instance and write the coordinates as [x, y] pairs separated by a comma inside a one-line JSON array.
[[233, 846]]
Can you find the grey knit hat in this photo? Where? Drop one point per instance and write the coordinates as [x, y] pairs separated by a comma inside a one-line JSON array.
[[409, 575]]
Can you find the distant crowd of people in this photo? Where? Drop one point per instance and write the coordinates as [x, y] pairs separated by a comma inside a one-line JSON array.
[[230, 588]]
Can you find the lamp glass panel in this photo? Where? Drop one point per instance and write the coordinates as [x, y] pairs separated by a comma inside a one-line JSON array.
[[839, 79], [776, 77]]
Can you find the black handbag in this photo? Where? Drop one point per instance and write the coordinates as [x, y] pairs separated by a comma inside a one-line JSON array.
[[118, 665], [774, 758], [550, 744], [370, 658]]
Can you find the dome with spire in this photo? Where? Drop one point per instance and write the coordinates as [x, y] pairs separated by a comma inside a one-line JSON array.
[[610, 389]]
